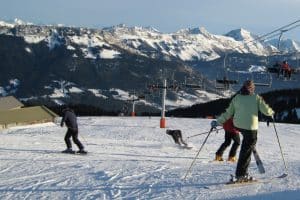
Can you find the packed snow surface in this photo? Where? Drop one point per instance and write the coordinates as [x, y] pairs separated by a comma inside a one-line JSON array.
[[132, 158]]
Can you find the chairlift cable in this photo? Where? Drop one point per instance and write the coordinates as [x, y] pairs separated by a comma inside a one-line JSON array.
[[277, 31], [272, 34]]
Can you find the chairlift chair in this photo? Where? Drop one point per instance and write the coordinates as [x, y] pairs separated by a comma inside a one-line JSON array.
[[262, 79], [225, 82], [258, 78], [192, 85], [275, 68]]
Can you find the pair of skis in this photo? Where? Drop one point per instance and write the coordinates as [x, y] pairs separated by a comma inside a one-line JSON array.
[[214, 186], [261, 170], [259, 163]]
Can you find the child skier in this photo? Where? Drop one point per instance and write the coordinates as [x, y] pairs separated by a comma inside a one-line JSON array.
[[231, 133]]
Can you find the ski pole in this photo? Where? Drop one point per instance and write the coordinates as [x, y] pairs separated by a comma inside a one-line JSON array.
[[202, 133], [84, 139], [188, 171], [280, 147]]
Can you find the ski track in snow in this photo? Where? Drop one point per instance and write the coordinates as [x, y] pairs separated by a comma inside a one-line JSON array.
[[132, 158]]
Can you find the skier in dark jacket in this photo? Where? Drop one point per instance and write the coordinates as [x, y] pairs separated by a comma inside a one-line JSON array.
[[244, 108], [70, 119], [231, 133]]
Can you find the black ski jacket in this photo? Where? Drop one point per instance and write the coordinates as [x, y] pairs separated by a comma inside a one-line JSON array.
[[69, 119]]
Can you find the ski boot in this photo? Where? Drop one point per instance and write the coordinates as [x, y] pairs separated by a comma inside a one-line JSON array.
[[218, 158], [232, 159], [242, 179], [81, 151], [68, 150]]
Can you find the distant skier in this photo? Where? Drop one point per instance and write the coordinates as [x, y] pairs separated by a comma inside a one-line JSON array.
[[231, 133], [70, 119], [177, 136], [286, 70], [244, 108]]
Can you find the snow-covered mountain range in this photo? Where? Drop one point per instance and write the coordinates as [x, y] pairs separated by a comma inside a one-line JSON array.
[[186, 44], [103, 62]]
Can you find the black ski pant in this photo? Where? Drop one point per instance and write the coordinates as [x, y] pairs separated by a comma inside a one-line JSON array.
[[248, 145], [74, 134], [236, 143], [179, 140]]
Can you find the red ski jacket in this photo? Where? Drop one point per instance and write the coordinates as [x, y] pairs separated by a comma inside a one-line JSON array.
[[228, 126], [286, 67]]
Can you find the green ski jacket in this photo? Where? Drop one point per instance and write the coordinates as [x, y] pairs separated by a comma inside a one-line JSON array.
[[244, 109]]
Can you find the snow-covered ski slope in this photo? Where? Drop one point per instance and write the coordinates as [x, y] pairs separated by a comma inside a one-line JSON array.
[[132, 158]]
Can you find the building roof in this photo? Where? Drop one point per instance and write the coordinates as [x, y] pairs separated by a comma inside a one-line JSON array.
[[9, 103], [28, 115]]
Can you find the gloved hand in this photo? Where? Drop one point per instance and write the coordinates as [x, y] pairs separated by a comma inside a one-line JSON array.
[[269, 119], [214, 124]]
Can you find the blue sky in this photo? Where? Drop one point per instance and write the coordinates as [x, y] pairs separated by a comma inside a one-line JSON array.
[[217, 16]]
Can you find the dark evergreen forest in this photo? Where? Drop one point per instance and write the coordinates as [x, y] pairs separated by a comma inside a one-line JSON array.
[[283, 102]]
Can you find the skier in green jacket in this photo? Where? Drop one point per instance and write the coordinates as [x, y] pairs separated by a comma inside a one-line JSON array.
[[244, 108]]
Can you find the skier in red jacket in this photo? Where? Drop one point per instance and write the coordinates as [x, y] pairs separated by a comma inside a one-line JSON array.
[[286, 70], [231, 133]]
